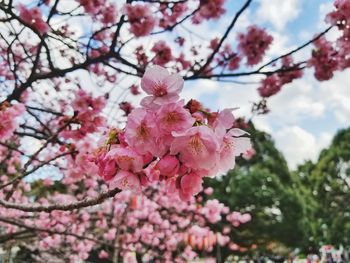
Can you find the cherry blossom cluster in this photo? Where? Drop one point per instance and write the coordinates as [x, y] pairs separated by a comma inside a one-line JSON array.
[[34, 18], [100, 10], [272, 84], [141, 19], [8, 116], [162, 53], [324, 59], [171, 14], [341, 16], [328, 58], [87, 118], [166, 140], [154, 225], [160, 224], [253, 44], [209, 9]]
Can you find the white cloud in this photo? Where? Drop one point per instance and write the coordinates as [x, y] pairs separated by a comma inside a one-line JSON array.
[[336, 95], [298, 145], [278, 12]]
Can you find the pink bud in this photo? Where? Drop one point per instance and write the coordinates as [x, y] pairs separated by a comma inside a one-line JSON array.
[[208, 191], [168, 165]]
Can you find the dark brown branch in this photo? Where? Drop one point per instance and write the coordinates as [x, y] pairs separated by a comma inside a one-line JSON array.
[[296, 49], [62, 207], [223, 38]]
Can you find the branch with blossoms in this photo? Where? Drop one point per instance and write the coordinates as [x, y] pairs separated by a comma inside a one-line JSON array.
[[101, 50]]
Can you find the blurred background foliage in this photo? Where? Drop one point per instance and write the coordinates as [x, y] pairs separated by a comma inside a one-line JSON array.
[[304, 209]]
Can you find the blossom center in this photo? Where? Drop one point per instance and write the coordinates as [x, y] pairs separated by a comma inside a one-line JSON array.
[[172, 117], [196, 145], [143, 132], [160, 90]]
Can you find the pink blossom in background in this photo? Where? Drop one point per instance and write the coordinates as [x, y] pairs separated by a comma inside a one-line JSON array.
[[254, 44], [162, 53], [8, 116], [269, 86], [34, 18], [209, 9], [140, 18], [325, 59]]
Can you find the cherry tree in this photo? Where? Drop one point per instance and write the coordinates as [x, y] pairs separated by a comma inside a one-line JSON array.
[[94, 151]]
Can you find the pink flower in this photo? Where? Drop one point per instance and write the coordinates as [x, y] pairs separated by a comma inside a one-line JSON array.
[[34, 18], [324, 59], [127, 159], [289, 76], [163, 53], [168, 19], [209, 9], [92, 6], [109, 14], [341, 16], [140, 18], [103, 254], [244, 218], [197, 147], [212, 210], [8, 122], [152, 172], [161, 86], [173, 117], [107, 166], [125, 180], [208, 191], [168, 166], [234, 62], [254, 44], [270, 86], [110, 235], [222, 121], [134, 90], [249, 154], [141, 131], [190, 184], [232, 146], [126, 107]]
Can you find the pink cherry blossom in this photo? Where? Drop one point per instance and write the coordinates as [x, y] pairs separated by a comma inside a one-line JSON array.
[[173, 117], [270, 86], [125, 180], [324, 59], [209, 9], [232, 146], [161, 86], [34, 18], [254, 44], [8, 116], [197, 147], [141, 132], [162, 53], [168, 166], [127, 159], [190, 185], [140, 18]]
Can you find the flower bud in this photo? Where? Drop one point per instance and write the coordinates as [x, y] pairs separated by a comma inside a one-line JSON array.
[[168, 166]]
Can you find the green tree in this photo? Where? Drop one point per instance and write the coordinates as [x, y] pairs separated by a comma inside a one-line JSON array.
[[264, 187], [329, 180]]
